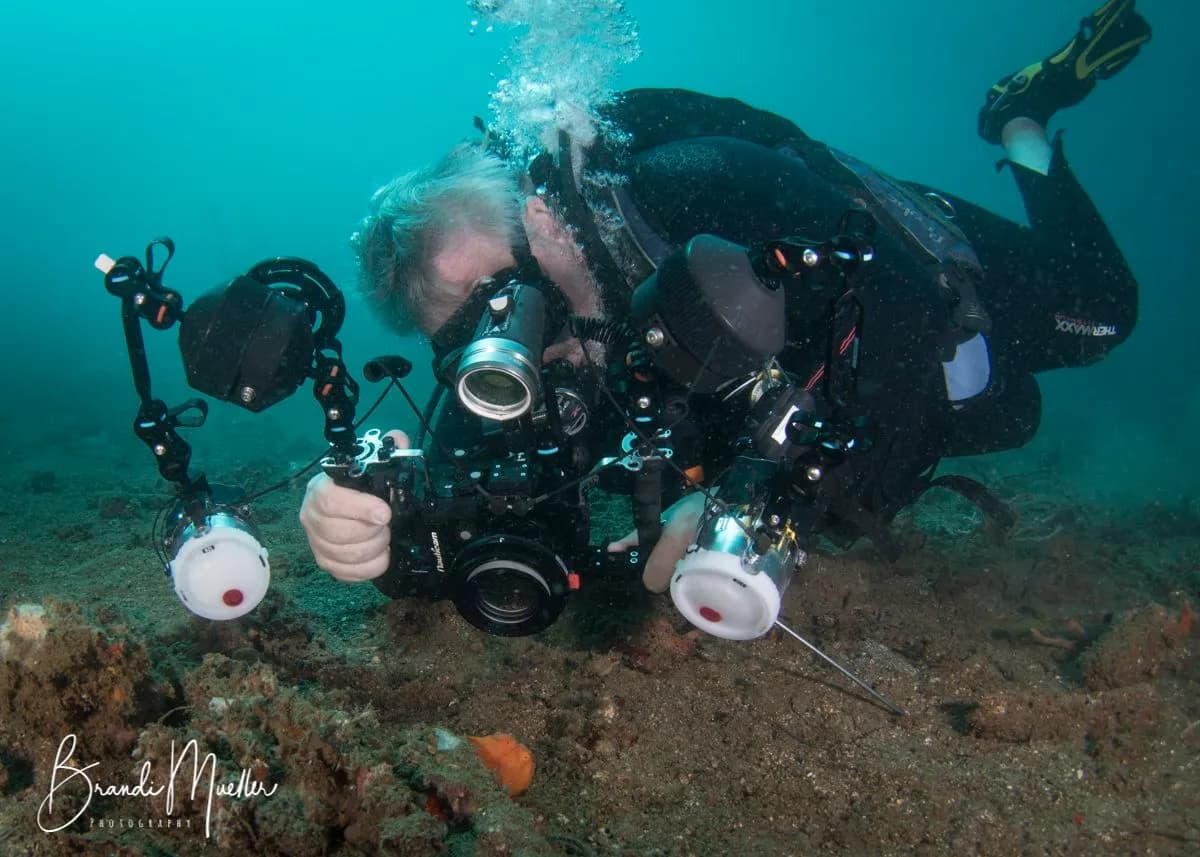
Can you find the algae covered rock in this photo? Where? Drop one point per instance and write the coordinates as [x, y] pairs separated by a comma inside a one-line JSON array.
[[61, 677], [1137, 648], [324, 775]]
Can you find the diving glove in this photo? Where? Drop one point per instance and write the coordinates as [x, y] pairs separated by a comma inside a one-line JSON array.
[[1107, 41]]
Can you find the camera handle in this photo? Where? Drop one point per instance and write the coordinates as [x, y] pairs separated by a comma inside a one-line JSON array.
[[646, 454], [378, 467], [647, 503]]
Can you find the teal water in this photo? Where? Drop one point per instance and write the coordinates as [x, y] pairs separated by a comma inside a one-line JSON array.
[[254, 129], [249, 130]]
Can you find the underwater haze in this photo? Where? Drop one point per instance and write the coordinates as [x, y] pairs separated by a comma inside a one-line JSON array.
[[1008, 685], [249, 130]]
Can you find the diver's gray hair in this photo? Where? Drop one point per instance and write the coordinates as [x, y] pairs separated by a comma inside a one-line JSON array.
[[411, 217]]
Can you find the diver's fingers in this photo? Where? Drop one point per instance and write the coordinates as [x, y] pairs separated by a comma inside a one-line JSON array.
[[352, 563], [660, 565], [356, 572], [684, 515], [402, 441], [351, 553], [678, 531], [344, 533], [325, 501], [623, 544], [347, 530]]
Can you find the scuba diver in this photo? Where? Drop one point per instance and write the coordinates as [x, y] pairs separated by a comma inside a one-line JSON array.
[[960, 308]]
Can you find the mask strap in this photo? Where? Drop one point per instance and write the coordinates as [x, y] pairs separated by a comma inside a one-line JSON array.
[[527, 266]]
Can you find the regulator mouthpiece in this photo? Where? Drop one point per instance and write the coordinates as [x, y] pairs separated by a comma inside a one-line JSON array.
[[730, 583], [220, 570]]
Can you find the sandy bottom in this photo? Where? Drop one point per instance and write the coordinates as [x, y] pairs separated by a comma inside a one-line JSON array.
[[1051, 685]]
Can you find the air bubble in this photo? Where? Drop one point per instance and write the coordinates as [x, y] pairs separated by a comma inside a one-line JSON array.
[[561, 68]]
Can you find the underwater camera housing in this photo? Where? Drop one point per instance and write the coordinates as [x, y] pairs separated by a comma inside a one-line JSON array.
[[465, 531], [500, 528]]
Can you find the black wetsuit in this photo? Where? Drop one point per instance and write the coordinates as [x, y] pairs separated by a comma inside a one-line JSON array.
[[1058, 292]]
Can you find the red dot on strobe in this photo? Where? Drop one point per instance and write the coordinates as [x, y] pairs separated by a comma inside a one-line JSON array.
[[710, 614], [233, 597]]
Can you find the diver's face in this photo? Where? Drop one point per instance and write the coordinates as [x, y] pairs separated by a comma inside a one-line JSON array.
[[468, 257]]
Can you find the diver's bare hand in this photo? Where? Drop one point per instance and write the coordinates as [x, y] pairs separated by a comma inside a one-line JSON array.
[[347, 529], [679, 530]]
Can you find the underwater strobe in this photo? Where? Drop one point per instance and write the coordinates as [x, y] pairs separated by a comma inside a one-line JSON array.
[[251, 342], [216, 562], [732, 579]]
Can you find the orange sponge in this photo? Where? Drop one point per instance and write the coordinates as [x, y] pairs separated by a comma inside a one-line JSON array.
[[508, 759]]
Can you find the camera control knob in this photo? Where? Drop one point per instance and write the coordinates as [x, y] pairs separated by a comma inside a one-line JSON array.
[[500, 306]]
